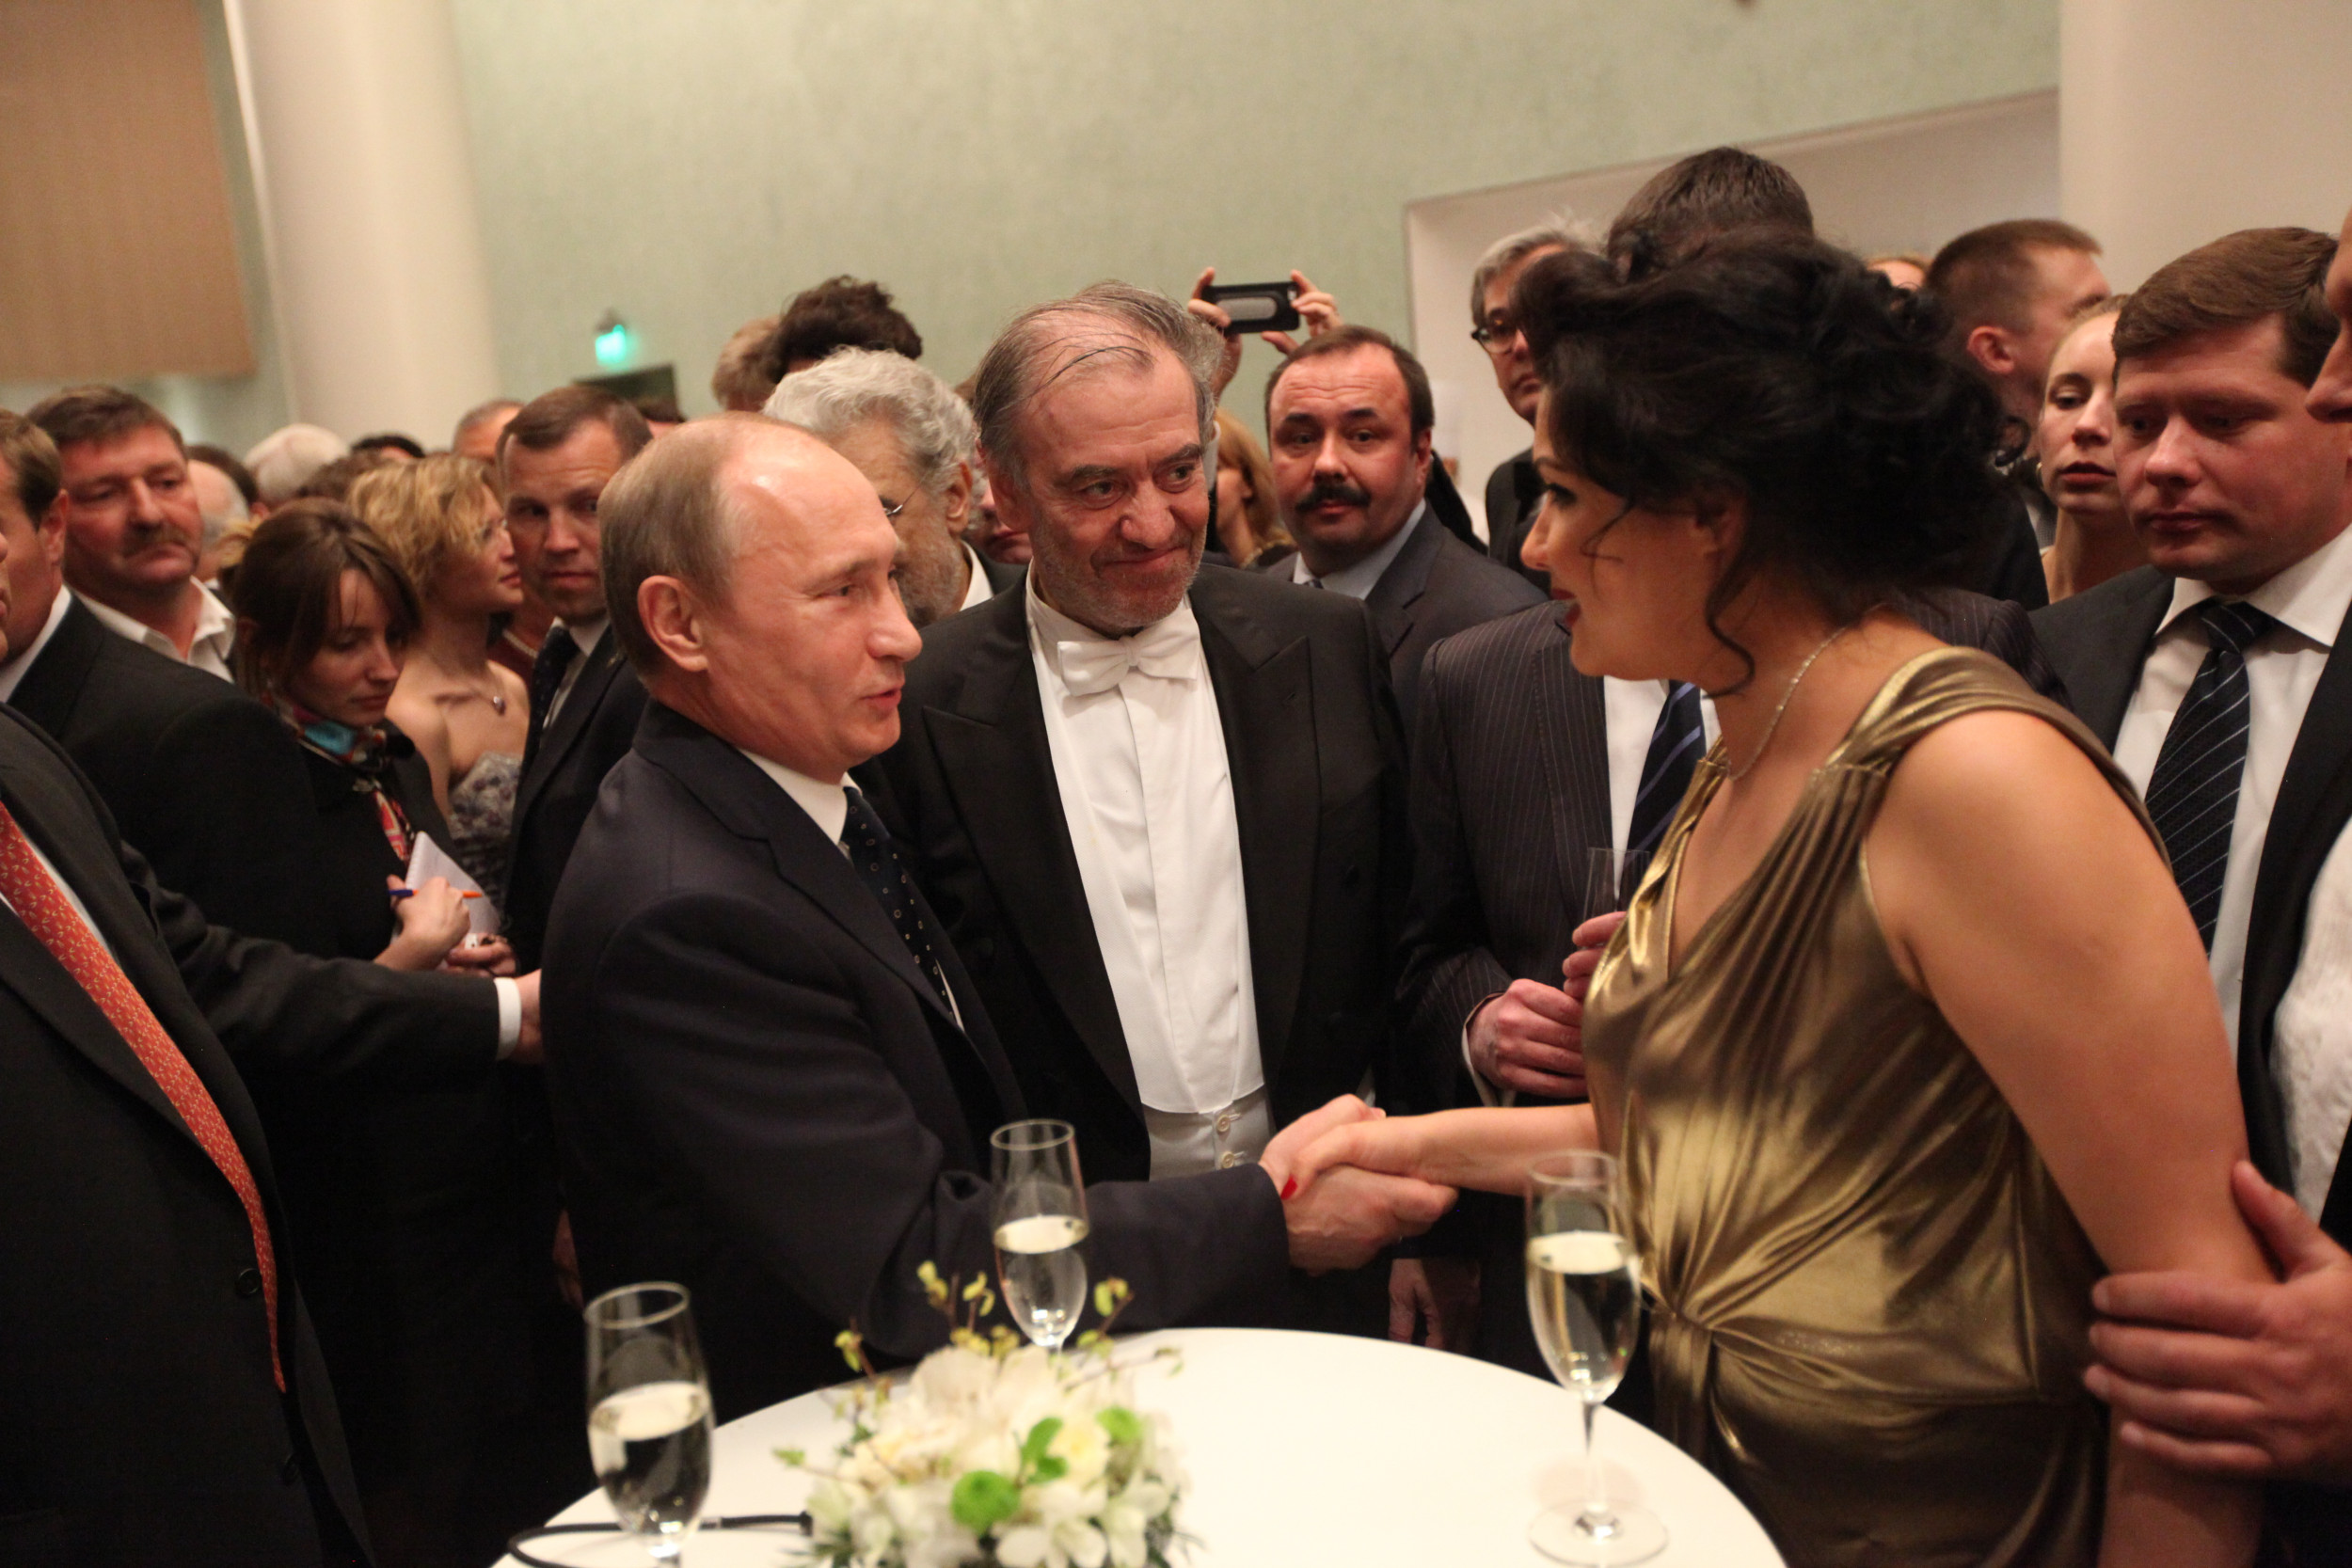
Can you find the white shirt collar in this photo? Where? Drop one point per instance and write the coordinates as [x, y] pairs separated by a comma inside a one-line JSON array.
[[977, 591], [1357, 581], [827, 805], [12, 672], [216, 632], [2309, 598]]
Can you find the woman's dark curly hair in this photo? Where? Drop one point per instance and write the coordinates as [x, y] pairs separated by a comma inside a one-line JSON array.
[[1774, 368]]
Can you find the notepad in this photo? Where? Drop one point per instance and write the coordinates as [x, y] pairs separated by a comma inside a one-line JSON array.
[[428, 858]]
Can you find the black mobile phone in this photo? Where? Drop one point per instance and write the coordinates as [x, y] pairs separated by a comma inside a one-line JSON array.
[[1257, 307]]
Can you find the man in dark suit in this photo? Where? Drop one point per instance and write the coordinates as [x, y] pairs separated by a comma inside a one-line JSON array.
[[1513, 490], [555, 458], [165, 1392], [1349, 420], [2220, 676], [1158, 806], [911, 438], [777, 1081]]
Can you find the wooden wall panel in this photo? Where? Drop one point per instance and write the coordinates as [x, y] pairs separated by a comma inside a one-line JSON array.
[[117, 251]]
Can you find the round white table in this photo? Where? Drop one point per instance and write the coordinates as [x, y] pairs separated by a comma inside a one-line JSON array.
[[1302, 1448]]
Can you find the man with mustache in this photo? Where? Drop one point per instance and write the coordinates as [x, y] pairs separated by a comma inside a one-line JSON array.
[[133, 529], [1159, 807], [1349, 419]]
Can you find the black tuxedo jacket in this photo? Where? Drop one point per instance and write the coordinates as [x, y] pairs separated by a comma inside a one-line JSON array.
[[1512, 491], [2099, 642], [1311, 739], [199, 776], [760, 1096], [565, 767], [133, 1346]]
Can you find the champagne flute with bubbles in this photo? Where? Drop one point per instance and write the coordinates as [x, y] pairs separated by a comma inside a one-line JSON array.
[[649, 1413], [1040, 1218], [1584, 1293]]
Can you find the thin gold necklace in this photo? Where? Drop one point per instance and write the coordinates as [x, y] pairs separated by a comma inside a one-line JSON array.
[[1735, 774]]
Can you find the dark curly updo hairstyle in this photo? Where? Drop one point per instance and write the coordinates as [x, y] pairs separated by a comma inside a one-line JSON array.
[[1772, 367]]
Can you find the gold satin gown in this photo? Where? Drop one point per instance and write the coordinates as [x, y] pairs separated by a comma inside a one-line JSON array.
[[1870, 1302]]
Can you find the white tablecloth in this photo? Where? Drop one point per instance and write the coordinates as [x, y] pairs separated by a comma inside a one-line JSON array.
[[1304, 1448]]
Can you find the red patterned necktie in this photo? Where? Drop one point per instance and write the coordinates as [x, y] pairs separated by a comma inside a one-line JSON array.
[[41, 904]]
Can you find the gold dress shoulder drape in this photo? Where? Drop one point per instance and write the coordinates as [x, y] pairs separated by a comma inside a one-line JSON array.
[[1871, 1302]]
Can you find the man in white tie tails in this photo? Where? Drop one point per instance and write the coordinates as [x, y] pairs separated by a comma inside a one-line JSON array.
[[1159, 807]]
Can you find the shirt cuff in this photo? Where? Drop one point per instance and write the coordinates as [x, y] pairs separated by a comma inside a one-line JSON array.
[[1489, 1094], [511, 1016]]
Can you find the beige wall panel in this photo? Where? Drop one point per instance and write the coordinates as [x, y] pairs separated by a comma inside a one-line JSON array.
[[118, 254]]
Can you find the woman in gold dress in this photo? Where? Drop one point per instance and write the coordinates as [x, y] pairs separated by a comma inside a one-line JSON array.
[[1907, 1034]]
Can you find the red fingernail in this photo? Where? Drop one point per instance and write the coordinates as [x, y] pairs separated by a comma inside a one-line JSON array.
[[1289, 1187]]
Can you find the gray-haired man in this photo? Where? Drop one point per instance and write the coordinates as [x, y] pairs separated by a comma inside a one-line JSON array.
[[1513, 489], [913, 439]]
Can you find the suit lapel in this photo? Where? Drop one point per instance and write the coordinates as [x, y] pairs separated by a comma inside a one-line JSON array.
[[595, 678], [1401, 586], [1573, 722], [54, 682], [1266, 705], [992, 751], [2322, 747], [2101, 689]]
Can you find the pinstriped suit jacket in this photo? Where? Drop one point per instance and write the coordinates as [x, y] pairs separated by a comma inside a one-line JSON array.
[[1510, 789]]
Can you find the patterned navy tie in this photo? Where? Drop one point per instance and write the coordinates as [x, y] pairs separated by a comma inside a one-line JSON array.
[[1674, 748], [879, 867], [2192, 796]]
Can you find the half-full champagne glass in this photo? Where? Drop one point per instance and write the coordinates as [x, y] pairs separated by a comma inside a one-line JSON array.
[[649, 1413], [1040, 1218], [1584, 1293]]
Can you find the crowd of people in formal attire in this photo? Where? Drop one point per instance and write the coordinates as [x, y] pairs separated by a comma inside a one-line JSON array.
[[440, 886]]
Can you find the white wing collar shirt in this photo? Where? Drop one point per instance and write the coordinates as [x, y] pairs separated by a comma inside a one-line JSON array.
[[2282, 667], [1138, 756]]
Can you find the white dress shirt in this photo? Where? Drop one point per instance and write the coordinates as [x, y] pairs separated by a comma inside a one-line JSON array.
[[216, 632], [587, 634], [1357, 581], [1138, 757], [976, 590], [2310, 1048], [2309, 600], [20, 659]]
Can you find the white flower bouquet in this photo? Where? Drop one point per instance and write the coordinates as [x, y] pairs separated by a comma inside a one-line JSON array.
[[995, 1454]]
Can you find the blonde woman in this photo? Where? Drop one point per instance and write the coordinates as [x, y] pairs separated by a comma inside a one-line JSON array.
[[468, 716], [2074, 440], [1248, 524]]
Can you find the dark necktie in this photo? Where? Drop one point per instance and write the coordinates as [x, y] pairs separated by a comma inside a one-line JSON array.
[[2192, 796], [1675, 747], [879, 867], [40, 902], [555, 655]]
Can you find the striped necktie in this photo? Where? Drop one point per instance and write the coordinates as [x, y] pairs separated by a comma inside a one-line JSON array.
[[2192, 796], [1675, 746], [41, 904]]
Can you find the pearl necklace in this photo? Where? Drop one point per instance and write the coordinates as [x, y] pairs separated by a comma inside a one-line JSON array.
[[1735, 774]]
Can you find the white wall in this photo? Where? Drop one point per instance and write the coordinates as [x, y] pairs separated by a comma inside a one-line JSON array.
[[693, 163], [2186, 119], [1907, 183]]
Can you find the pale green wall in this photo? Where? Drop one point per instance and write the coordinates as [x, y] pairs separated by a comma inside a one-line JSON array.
[[693, 163]]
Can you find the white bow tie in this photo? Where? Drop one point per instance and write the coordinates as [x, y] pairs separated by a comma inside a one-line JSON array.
[[1168, 649]]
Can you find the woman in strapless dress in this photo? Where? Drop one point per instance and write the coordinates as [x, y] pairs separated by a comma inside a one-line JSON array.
[[1907, 1035], [467, 715]]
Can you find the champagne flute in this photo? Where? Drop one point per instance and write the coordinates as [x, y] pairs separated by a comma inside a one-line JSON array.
[[649, 1413], [1584, 1292], [1610, 878], [1040, 1217]]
